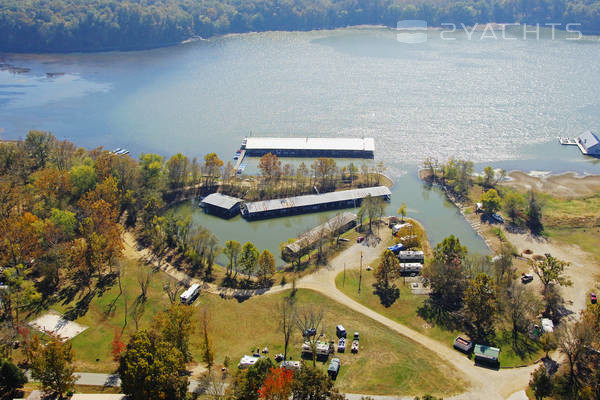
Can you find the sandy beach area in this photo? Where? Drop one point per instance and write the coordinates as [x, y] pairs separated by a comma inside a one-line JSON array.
[[563, 185]]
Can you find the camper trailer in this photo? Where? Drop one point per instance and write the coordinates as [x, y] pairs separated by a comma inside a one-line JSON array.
[[411, 269], [190, 294], [411, 256]]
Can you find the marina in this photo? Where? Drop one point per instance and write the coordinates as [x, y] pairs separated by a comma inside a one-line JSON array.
[[311, 202], [309, 147]]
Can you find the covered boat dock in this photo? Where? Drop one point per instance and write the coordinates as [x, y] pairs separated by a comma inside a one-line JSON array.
[[221, 205], [309, 147], [311, 202]]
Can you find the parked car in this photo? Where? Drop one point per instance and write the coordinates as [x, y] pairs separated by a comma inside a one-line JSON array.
[[354, 348], [341, 345], [309, 332], [593, 298], [340, 331], [498, 218], [360, 239], [526, 278], [334, 367], [355, 335]]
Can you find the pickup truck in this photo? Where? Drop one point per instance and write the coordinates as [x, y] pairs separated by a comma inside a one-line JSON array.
[[526, 278]]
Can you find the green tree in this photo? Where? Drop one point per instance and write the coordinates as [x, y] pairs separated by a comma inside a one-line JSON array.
[[152, 368], [232, 251], [249, 259], [11, 379], [385, 273], [541, 383], [551, 271], [490, 201], [22, 290], [175, 326], [83, 178], [64, 220], [247, 383], [53, 366], [38, 145], [449, 250], [481, 304], [266, 265], [311, 383], [445, 275], [488, 176], [534, 214], [513, 205]]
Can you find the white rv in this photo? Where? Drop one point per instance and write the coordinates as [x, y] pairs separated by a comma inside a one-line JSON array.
[[411, 269], [190, 294]]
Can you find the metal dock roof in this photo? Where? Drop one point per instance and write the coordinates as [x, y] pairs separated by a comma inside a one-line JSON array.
[[221, 200], [315, 199], [308, 143]]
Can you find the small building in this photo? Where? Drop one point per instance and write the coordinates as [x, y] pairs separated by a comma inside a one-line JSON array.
[[340, 223], [589, 143], [486, 355], [221, 205], [311, 202]]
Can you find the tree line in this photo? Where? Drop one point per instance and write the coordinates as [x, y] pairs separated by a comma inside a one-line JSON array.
[[76, 25]]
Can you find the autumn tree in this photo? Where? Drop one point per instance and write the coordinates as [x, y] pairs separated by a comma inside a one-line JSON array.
[[277, 385], [117, 345], [270, 167], [176, 325], [207, 351], [177, 170], [266, 265], [481, 304], [52, 365], [372, 208], [402, 211], [520, 308], [287, 319], [307, 318], [152, 368], [212, 165]]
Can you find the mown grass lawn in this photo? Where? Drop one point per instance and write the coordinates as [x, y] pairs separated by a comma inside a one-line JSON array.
[[404, 311], [387, 363]]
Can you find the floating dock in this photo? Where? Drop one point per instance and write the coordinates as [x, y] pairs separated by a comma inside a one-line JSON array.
[[309, 147], [311, 203], [588, 143]]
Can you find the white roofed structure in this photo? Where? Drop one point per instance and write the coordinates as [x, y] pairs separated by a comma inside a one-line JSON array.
[[221, 204], [309, 147], [589, 143], [312, 202]]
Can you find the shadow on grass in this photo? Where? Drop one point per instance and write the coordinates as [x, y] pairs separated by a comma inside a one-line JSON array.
[[81, 307], [435, 314], [387, 295]]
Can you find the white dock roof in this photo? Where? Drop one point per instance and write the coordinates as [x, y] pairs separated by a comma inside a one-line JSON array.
[[308, 143], [316, 199], [221, 200]]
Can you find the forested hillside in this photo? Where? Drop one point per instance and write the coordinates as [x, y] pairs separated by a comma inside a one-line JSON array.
[[92, 25]]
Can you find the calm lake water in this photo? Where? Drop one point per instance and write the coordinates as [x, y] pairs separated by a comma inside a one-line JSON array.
[[491, 101]]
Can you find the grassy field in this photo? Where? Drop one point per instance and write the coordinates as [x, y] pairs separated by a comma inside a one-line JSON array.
[[404, 310], [571, 213], [586, 238], [387, 363]]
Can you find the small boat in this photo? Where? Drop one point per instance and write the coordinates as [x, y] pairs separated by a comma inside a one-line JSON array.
[[118, 149]]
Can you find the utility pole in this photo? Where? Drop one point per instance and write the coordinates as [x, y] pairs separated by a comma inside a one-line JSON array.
[[360, 274]]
